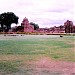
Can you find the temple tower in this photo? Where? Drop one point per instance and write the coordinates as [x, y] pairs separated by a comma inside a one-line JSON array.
[[27, 27], [68, 26]]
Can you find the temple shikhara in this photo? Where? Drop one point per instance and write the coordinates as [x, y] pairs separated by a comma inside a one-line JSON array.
[[27, 27], [69, 27]]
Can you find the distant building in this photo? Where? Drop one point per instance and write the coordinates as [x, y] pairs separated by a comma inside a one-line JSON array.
[[73, 29], [59, 29], [44, 30], [69, 27], [27, 27]]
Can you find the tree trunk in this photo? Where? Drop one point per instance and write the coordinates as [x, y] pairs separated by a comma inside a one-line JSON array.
[[2, 27], [8, 27]]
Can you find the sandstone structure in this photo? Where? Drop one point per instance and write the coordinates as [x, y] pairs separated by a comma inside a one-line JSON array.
[[27, 27], [69, 26], [59, 29]]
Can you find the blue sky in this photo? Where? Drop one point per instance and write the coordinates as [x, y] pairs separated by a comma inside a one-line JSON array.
[[46, 13]]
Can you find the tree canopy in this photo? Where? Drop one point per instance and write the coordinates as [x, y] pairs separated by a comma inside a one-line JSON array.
[[35, 25], [6, 19]]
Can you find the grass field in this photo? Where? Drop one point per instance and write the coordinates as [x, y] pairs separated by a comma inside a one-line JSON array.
[[18, 50]]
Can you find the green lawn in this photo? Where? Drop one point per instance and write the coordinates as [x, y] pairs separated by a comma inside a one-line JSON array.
[[57, 48], [30, 48]]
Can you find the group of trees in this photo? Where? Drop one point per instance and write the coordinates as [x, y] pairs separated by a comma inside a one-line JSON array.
[[35, 25], [6, 19]]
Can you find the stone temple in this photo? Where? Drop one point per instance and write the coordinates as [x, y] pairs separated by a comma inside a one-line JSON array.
[[68, 27], [27, 27]]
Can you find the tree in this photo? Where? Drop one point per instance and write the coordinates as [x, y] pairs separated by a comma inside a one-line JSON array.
[[35, 25], [6, 19], [20, 28]]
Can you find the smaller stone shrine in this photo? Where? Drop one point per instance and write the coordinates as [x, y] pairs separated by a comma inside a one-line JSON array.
[[27, 27]]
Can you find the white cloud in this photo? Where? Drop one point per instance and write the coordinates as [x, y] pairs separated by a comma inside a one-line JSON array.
[[44, 12]]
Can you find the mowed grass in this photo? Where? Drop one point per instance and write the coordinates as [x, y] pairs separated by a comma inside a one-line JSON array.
[[56, 47], [30, 48]]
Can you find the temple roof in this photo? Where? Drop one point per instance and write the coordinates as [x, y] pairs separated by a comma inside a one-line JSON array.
[[25, 19]]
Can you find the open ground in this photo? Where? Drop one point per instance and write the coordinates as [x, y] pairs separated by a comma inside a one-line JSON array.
[[37, 55]]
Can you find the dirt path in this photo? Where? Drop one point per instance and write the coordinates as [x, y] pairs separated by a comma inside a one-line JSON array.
[[46, 66], [59, 67]]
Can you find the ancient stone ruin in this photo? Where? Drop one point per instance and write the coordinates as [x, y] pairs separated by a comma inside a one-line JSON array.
[[69, 27], [27, 27]]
